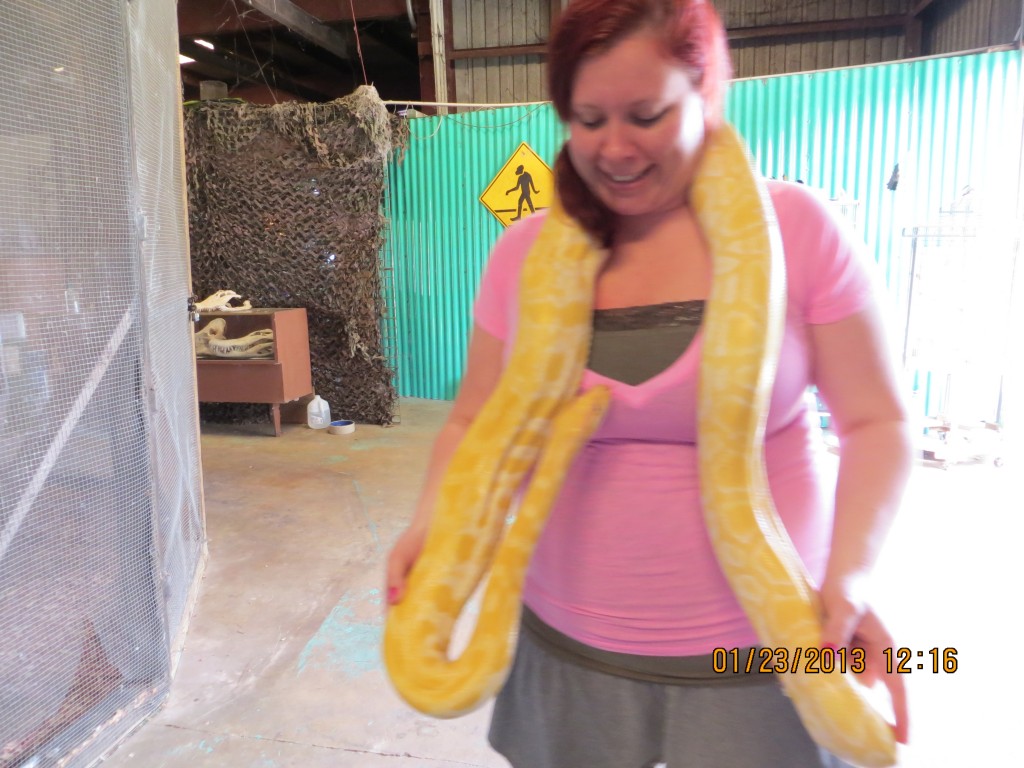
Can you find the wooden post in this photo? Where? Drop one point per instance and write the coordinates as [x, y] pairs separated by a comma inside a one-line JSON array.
[[449, 46], [425, 53], [556, 11]]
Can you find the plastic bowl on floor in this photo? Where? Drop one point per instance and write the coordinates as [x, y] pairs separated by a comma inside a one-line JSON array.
[[342, 427]]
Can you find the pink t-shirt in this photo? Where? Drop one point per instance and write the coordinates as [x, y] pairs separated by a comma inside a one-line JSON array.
[[624, 563]]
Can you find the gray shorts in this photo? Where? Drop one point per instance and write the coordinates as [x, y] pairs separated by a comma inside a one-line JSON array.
[[556, 714]]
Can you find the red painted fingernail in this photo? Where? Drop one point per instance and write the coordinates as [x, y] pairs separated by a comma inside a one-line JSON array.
[[828, 647], [392, 594]]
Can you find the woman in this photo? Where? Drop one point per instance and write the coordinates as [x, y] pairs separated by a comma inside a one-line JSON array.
[[624, 600]]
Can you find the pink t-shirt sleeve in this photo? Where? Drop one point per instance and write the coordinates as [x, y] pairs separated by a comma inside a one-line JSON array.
[[830, 276], [495, 307]]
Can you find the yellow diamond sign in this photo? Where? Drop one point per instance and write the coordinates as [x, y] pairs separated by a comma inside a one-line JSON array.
[[525, 184]]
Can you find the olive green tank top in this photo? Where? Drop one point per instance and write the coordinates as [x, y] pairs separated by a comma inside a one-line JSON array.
[[634, 344]]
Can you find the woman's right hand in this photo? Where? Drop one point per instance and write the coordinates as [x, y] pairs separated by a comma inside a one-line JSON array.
[[483, 368], [403, 556]]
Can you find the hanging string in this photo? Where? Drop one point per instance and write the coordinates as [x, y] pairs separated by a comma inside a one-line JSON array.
[[359, 48], [240, 16]]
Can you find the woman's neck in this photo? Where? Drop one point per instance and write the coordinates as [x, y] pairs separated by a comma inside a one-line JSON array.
[[638, 229], [677, 225], [655, 260]]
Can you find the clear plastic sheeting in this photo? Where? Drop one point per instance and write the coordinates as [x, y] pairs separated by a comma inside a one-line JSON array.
[[101, 531]]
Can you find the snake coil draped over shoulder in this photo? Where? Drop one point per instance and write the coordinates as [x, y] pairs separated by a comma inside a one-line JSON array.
[[536, 419]]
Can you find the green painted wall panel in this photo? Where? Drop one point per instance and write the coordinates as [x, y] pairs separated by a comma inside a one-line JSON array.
[[949, 123], [440, 234]]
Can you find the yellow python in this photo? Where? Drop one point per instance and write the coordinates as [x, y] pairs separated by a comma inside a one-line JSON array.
[[536, 420]]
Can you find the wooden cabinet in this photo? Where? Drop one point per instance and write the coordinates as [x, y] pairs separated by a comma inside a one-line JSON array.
[[278, 379]]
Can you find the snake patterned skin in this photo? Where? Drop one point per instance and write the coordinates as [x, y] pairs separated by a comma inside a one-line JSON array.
[[743, 327], [536, 420]]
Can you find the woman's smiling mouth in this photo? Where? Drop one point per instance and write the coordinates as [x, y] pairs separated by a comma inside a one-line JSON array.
[[625, 179]]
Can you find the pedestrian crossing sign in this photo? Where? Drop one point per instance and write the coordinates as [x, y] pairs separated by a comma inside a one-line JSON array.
[[524, 185]]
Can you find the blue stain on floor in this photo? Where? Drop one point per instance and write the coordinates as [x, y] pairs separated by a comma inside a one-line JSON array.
[[370, 524], [344, 643], [205, 745], [209, 746]]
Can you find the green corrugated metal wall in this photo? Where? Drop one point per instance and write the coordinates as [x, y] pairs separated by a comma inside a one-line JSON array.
[[439, 234], [948, 123]]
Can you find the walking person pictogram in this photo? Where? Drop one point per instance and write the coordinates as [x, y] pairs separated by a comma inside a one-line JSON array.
[[525, 184]]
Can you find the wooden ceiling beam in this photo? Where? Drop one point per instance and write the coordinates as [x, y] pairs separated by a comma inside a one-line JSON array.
[[211, 70], [400, 42], [532, 49], [736, 33], [919, 7], [816, 27], [225, 66], [283, 48], [913, 31], [219, 17], [245, 68], [304, 24]]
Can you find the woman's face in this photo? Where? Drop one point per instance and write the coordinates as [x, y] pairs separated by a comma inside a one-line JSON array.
[[636, 126]]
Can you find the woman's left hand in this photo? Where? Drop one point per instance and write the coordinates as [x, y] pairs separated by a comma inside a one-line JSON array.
[[851, 623]]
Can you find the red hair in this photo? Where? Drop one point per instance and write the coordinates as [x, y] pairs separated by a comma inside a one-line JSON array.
[[692, 33]]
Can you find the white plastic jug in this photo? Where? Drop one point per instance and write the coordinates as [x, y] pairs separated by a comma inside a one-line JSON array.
[[318, 413]]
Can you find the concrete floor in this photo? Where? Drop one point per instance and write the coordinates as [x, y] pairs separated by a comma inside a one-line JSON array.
[[281, 665]]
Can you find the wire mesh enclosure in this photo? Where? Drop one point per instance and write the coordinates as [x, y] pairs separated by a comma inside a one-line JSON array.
[[101, 531]]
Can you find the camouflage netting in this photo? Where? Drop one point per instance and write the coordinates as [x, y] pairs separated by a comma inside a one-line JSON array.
[[285, 209]]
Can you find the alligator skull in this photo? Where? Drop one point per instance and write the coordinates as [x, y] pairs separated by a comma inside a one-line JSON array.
[[213, 330], [256, 344], [212, 341], [221, 302]]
